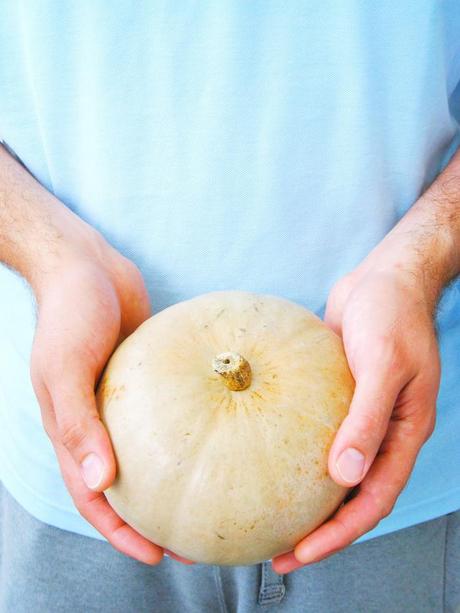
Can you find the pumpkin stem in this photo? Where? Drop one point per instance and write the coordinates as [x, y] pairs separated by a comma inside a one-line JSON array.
[[234, 369]]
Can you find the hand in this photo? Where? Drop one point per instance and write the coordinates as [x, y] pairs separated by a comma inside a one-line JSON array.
[[386, 322], [89, 298], [87, 305]]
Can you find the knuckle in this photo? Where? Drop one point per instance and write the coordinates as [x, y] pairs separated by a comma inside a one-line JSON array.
[[130, 270], [51, 370], [370, 421], [36, 377], [50, 426], [386, 507], [429, 429], [389, 354], [382, 508], [72, 434], [131, 281], [37, 365], [374, 523], [341, 288], [368, 426], [84, 508], [383, 503], [420, 425], [49, 430], [134, 270], [341, 530]]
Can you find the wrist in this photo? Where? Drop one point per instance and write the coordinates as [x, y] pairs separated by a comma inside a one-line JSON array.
[[424, 260], [39, 235], [425, 244], [74, 243]]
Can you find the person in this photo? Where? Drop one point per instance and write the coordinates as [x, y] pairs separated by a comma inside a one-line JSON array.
[[156, 151]]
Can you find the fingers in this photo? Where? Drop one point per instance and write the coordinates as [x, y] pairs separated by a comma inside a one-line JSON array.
[[72, 423], [70, 348], [94, 507], [388, 382], [392, 353], [80, 319], [71, 419], [70, 443], [90, 448], [121, 536], [82, 436], [375, 499], [380, 367], [362, 431], [82, 433]]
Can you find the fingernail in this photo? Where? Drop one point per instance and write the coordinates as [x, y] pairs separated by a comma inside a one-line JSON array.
[[92, 470], [350, 465]]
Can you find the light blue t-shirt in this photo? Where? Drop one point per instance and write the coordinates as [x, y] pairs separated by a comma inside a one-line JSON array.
[[264, 146]]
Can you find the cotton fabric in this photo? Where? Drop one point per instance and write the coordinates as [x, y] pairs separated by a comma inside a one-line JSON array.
[[262, 146]]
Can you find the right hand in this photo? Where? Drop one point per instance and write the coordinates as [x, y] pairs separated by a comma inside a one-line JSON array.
[[87, 304]]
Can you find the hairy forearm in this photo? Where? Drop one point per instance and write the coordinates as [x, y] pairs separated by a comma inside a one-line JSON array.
[[425, 243], [36, 230]]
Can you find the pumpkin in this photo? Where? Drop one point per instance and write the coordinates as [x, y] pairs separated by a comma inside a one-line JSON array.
[[221, 411]]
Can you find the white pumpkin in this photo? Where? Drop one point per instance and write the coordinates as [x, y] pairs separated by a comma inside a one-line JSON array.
[[222, 410]]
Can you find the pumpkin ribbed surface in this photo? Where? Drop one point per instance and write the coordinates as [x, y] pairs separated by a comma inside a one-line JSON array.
[[221, 475]]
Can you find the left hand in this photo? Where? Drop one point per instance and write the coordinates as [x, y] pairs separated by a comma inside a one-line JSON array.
[[385, 319]]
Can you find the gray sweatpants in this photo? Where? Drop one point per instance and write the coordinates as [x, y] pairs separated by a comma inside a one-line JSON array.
[[47, 570]]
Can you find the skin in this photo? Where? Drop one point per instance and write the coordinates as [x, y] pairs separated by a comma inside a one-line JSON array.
[[89, 297], [384, 311]]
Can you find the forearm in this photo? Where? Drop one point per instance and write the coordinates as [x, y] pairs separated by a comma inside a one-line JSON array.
[[36, 230], [425, 243]]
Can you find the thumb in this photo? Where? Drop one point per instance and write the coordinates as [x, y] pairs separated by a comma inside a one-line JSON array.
[[361, 434], [336, 301], [79, 428]]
